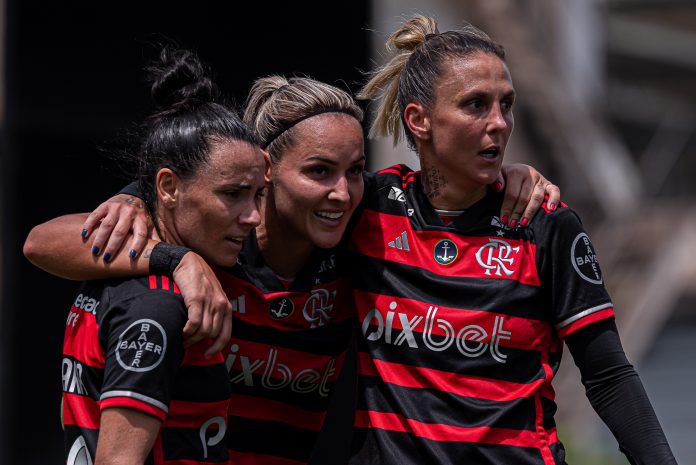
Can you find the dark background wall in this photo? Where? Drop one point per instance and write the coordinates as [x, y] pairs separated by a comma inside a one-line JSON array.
[[73, 81]]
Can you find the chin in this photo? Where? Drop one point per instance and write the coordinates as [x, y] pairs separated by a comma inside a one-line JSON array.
[[327, 241]]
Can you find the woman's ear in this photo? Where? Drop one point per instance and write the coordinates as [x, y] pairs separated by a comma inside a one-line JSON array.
[[268, 174], [168, 187], [417, 119]]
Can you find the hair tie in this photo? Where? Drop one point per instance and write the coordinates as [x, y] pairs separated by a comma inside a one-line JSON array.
[[429, 36]]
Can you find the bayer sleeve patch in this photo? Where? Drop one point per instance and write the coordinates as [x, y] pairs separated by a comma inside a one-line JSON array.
[[141, 347], [584, 259]]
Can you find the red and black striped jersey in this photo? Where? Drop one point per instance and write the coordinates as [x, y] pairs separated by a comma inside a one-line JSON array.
[[462, 327], [288, 346], [123, 347]]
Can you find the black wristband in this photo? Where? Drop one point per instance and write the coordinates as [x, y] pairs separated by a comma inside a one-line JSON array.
[[166, 257], [132, 189]]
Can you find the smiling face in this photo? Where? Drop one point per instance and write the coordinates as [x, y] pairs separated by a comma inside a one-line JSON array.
[[317, 182], [471, 120], [215, 209]]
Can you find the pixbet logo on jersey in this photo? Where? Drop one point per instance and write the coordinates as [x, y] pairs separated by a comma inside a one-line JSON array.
[[496, 256], [469, 340], [276, 375], [217, 426], [141, 347]]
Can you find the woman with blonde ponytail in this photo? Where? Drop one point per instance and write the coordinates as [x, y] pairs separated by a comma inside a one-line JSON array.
[[463, 315]]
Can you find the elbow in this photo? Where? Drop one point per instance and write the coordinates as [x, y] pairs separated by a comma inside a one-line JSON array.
[[32, 246]]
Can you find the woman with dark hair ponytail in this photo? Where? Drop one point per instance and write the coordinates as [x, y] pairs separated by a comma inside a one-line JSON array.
[[131, 392]]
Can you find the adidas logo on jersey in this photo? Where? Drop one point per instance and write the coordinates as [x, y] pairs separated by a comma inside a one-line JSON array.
[[239, 304], [396, 194], [400, 243]]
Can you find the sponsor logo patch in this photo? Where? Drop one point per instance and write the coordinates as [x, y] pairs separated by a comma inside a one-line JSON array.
[[281, 308], [584, 259], [445, 252], [141, 347]]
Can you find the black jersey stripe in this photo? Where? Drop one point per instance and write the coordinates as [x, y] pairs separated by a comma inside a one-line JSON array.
[[330, 340], [433, 406], [312, 401], [278, 439], [81, 379], [189, 378], [520, 366], [205, 444], [389, 278], [381, 447]]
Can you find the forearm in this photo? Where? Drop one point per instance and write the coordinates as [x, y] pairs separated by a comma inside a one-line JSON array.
[[56, 247], [616, 393], [126, 437]]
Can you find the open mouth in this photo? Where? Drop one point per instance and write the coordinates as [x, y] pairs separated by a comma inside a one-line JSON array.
[[329, 215], [490, 153]]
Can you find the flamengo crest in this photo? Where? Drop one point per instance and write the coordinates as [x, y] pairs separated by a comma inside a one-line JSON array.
[[496, 256]]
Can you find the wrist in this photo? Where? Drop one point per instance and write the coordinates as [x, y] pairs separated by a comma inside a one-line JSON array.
[[165, 258]]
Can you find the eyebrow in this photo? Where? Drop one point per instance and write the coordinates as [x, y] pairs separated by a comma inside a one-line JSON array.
[[330, 161], [238, 186]]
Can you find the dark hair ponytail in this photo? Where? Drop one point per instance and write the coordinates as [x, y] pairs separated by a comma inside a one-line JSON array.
[[187, 119]]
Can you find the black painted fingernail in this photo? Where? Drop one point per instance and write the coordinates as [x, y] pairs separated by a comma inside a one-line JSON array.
[[107, 256], [132, 253], [83, 233], [95, 250]]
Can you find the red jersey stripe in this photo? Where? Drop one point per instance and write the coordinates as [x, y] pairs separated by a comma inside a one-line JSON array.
[[79, 341], [81, 411], [272, 410], [456, 383], [188, 414], [582, 322], [153, 281], [248, 458], [474, 257], [273, 357], [165, 282], [134, 404], [195, 354], [441, 432]]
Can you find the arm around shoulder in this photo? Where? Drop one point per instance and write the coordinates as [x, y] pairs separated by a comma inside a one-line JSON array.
[[58, 248]]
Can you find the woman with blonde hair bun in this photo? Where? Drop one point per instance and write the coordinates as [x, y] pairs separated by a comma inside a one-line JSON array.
[[463, 316]]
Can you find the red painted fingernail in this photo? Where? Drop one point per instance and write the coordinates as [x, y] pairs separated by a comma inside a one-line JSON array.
[[524, 222], [513, 223], [498, 185], [503, 219]]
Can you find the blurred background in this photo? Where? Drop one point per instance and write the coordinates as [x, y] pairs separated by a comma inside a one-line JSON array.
[[606, 109]]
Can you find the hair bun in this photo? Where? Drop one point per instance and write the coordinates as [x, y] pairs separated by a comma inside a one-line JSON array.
[[180, 80]]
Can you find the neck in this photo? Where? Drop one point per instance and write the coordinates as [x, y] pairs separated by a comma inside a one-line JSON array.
[[284, 252], [446, 194]]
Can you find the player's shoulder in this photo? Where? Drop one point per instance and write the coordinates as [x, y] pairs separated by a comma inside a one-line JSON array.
[[559, 216], [152, 290], [398, 173]]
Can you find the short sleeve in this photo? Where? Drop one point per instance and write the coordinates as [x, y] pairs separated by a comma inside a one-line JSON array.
[[571, 274], [143, 344]]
